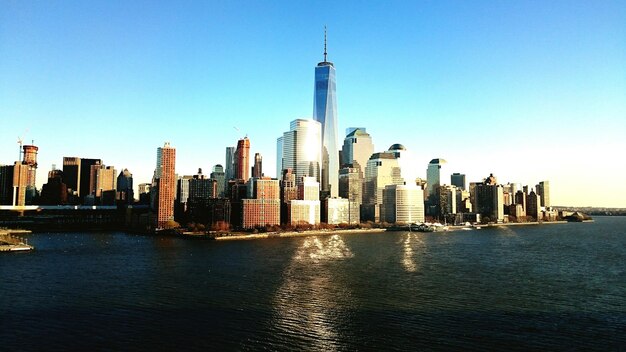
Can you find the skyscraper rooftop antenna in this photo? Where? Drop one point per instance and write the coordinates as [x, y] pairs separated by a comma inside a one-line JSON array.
[[324, 43]]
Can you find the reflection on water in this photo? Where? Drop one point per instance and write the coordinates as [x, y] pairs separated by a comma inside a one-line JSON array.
[[311, 296], [411, 242], [314, 249]]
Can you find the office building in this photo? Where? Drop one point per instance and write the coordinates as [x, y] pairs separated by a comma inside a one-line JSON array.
[[71, 174], [446, 199], [125, 192], [219, 176], [338, 211], [490, 200], [436, 174], [325, 112], [54, 192], [257, 168], [458, 180], [543, 190], [301, 149], [382, 169], [279, 157], [357, 148], [229, 170], [306, 209], [533, 204], [403, 204], [87, 177]]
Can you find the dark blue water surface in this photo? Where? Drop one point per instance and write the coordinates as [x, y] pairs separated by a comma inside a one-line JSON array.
[[544, 287]]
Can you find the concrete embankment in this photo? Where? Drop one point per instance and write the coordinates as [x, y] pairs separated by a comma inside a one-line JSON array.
[[296, 234]]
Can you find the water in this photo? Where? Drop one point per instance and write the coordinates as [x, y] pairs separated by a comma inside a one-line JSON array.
[[549, 287]]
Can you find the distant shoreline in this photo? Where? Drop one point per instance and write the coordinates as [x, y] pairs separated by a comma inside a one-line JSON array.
[[328, 232]]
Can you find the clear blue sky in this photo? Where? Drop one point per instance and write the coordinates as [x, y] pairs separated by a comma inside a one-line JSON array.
[[528, 90]]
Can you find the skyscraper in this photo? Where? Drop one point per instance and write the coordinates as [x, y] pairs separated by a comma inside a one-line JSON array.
[[458, 180], [165, 175], [257, 169], [435, 176], [218, 175], [301, 149], [357, 147], [86, 177], [543, 190], [325, 112], [382, 169], [71, 174], [229, 166], [242, 159], [125, 191], [30, 159], [279, 157]]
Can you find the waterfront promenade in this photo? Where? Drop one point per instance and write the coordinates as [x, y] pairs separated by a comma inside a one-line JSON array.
[[328, 232]]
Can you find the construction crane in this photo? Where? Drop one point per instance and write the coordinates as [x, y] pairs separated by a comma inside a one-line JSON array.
[[20, 141]]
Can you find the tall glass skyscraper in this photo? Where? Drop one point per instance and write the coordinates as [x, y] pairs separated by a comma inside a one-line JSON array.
[[325, 111], [301, 147]]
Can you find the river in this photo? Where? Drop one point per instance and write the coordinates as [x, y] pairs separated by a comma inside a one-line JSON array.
[[541, 287]]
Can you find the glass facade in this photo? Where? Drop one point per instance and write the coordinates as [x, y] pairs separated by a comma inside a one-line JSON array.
[[325, 111], [301, 147]]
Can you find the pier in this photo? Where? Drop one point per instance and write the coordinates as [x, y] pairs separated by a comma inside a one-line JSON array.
[[9, 242]]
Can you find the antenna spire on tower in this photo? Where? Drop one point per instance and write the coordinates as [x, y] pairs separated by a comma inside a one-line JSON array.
[[324, 43]]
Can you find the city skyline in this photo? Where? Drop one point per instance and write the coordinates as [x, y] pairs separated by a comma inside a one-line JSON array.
[[522, 111]]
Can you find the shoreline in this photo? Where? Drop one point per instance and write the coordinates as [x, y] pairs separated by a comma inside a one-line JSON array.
[[290, 234], [328, 232]]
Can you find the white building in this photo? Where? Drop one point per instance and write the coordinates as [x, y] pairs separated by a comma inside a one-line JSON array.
[[403, 204], [301, 148]]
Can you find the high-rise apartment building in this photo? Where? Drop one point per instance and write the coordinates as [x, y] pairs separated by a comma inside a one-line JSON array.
[[288, 192], [242, 159], [301, 149], [165, 175], [325, 112], [357, 148], [264, 207], [202, 187]]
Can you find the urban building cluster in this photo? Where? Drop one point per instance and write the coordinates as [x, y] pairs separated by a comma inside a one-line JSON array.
[[317, 181]]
